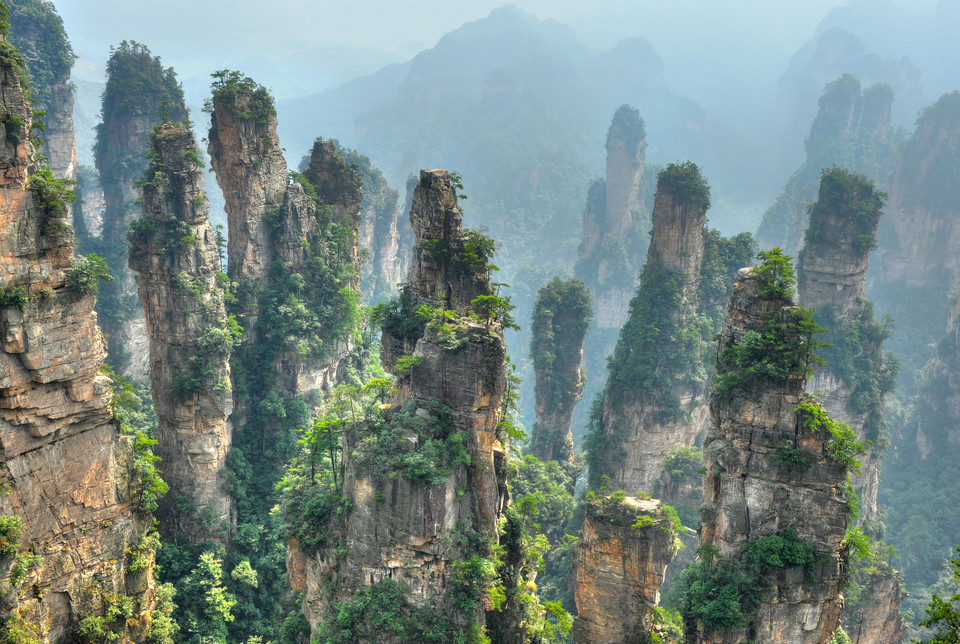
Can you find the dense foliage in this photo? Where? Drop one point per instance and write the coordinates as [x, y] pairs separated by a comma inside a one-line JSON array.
[[852, 199], [944, 614], [684, 182], [256, 104], [37, 31]]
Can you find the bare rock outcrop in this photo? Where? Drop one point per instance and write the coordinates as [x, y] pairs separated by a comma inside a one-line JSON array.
[[655, 394], [138, 90], [833, 266], [401, 528], [561, 316], [772, 471], [175, 256], [618, 567], [68, 471]]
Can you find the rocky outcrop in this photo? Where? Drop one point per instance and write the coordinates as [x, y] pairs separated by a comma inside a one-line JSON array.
[[402, 528], [379, 236], [282, 238], [561, 316], [175, 255], [769, 471], [833, 266], [138, 90], [68, 472], [618, 567], [875, 614], [851, 130], [654, 397]]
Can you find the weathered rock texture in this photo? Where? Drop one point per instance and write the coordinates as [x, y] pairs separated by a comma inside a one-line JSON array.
[[852, 130], [138, 90], [877, 614], [747, 495], [616, 226], [833, 267], [276, 229], [175, 256], [618, 567], [67, 468], [37, 31], [654, 400], [381, 234], [413, 536], [561, 316]]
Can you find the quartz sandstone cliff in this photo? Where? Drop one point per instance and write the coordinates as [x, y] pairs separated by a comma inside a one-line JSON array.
[[412, 538], [138, 89], [67, 467], [175, 256], [852, 130], [618, 567], [653, 400], [560, 319], [748, 494]]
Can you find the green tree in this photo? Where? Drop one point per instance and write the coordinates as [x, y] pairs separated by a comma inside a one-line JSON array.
[[944, 615]]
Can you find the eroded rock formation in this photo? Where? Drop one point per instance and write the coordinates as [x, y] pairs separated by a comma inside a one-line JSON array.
[[400, 528], [561, 316], [851, 130], [754, 488], [68, 471], [654, 398], [618, 567], [382, 225], [175, 255], [833, 266], [138, 90]]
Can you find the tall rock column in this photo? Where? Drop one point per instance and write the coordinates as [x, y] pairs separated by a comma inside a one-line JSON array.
[[422, 534], [775, 467], [833, 266], [138, 89], [653, 399], [618, 567], [68, 473], [175, 256], [561, 316]]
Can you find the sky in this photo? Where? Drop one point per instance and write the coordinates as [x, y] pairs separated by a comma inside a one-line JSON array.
[[339, 41]]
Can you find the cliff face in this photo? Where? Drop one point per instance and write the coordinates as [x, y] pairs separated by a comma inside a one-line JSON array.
[[379, 234], [175, 256], [654, 397], [833, 266], [916, 260], [561, 316], [138, 89], [768, 470], [68, 471], [618, 567], [402, 528], [851, 130], [615, 222]]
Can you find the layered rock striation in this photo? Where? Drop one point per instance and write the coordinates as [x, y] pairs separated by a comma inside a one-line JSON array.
[[174, 253], [561, 316], [833, 266], [68, 472], [402, 528], [774, 472], [654, 397], [618, 567], [138, 89]]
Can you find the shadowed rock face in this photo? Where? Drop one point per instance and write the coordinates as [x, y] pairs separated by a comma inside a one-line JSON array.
[[635, 417], [66, 467], [618, 569], [748, 494], [407, 538], [189, 342], [833, 266]]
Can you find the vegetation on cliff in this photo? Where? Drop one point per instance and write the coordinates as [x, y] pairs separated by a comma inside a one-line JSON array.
[[37, 32]]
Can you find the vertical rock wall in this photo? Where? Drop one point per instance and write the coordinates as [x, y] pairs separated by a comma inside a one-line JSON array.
[[413, 536], [175, 256], [67, 470], [750, 494], [653, 401], [618, 567]]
